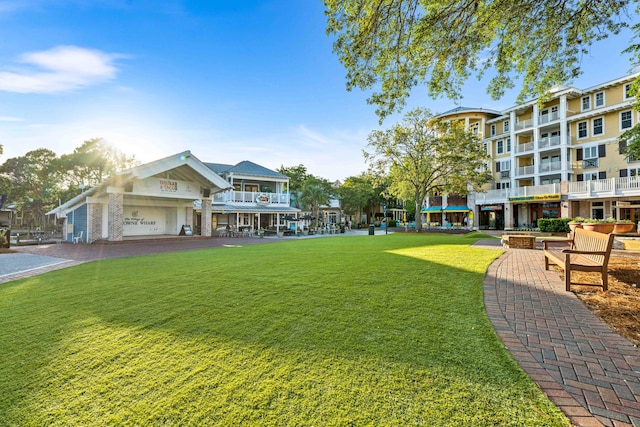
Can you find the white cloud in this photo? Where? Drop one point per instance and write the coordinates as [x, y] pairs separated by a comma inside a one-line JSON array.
[[60, 69], [11, 119]]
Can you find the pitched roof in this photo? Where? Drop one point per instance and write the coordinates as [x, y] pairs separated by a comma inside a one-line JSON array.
[[245, 167]]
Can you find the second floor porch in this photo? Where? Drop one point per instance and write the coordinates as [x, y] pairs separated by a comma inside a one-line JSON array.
[[245, 198]]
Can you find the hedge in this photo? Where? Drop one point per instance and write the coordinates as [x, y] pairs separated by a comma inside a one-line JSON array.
[[554, 225]]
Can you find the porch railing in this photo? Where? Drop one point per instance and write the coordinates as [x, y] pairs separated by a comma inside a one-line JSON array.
[[246, 197]]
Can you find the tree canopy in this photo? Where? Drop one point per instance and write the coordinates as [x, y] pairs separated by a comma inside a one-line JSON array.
[[316, 192], [39, 180], [391, 46], [360, 193], [422, 156]]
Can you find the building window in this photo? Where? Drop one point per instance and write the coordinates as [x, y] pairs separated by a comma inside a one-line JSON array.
[[504, 185], [505, 126], [474, 128], [485, 146], [634, 171], [586, 103], [582, 130], [492, 130], [626, 120], [598, 126], [599, 99], [500, 147], [508, 140], [627, 91], [597, 210], [590, 158]]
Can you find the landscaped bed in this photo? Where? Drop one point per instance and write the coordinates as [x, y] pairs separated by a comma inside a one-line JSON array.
[[619, 307], [385, 330]]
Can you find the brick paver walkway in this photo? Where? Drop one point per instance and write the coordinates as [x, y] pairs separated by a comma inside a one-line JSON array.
[[591, 373]]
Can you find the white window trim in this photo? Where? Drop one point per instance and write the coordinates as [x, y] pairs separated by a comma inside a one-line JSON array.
[[492, 130], [624, 92], [503, 163], [604, 99], [578, 130], [507, 145], [506, 126], [592, 125], [582, 98], [498, 145], [589, 147], [620, 120]]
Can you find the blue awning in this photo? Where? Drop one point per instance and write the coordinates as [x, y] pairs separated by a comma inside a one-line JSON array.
[[456, 209], [432, 209]]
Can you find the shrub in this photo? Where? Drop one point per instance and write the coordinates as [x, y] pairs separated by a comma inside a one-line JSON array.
[[554, 225]]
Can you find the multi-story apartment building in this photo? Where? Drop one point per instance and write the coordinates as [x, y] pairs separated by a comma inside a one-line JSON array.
[[560, 158]]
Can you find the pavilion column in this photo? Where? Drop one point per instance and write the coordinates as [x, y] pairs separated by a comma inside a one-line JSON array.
[[116, 214], [205, 229]]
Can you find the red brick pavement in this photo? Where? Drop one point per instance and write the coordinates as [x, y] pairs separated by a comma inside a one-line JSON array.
[[591, 373]]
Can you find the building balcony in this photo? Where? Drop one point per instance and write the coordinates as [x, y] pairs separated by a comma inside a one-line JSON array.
[[526, 170], [524, 124], [553, 167], [549, 142], [503, 195], [613, 187], [524, 148], [590, 163], [232, 197], [547, 118]]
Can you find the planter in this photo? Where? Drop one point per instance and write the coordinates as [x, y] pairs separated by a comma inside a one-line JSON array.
[[599, 227], [574, 225], [623, 227]]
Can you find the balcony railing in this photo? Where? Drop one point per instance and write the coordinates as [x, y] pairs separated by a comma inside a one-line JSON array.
[[246, 197], [589, 163], [504, 174], [552, 167], [521, 148], [503, 195], [546, 118], [552, 141], [524, 124], [629, 186], [525, 170]]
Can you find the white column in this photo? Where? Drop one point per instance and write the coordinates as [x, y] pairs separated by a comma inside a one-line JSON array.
[[564, 139]]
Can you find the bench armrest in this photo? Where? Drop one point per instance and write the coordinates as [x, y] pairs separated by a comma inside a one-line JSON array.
[[573, 251]]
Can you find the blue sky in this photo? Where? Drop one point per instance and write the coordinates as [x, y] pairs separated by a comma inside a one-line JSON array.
[[228, 80]]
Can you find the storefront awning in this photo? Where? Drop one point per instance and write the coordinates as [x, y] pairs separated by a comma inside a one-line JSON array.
[[456, 209], [432, 209]]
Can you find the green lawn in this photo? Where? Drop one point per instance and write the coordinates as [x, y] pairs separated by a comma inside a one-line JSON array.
[[376, 331]]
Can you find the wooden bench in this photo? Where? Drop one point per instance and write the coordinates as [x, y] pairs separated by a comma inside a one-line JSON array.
[[589, 252]]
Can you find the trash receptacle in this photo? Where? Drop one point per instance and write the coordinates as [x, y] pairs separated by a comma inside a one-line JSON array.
[[372, 230]]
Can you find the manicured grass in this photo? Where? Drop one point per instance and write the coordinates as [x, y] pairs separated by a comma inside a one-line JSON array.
[[384, 330]]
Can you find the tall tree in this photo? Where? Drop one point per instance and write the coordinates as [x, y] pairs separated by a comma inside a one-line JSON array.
[[92, 162], [297, 177], [394, 45], [315, 193], [422, 155], [358, 194], [34, 183]]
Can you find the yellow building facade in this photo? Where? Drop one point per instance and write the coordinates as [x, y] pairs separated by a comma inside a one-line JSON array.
[[560, 158]]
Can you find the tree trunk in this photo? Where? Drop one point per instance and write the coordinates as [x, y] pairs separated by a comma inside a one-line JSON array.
[[418, 215]]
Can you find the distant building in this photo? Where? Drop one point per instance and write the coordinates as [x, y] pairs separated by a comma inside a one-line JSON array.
[[559, 159]]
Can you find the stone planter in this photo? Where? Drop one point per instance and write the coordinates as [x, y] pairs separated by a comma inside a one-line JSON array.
[[623, 227], [599, 227]]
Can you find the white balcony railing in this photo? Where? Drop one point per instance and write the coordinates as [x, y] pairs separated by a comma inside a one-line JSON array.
[[525, 170], [620, 187], [522, 148], [534, 190], [524, 124], [553, 167], [552, 141], [546, 118], [246, 197]]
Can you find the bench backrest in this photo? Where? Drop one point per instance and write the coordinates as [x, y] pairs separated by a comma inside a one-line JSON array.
[[586, 240]]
